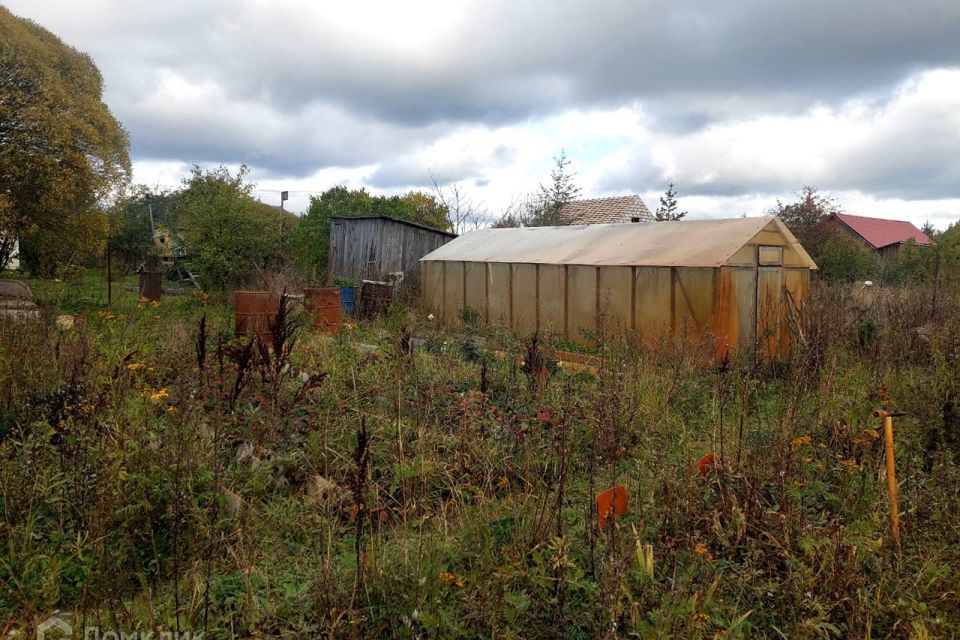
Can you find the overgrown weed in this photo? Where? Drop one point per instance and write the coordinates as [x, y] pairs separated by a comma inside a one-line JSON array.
[[158, 473]]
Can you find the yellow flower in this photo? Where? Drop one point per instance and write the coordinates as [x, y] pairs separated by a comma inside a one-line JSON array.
[[135, 366], [866, 437], [702, 551], [155, 304], [451, 578], [159, 395], [802, 441], [850, 463], [106, 315]]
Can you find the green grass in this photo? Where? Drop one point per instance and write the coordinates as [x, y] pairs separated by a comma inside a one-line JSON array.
[[118, 447]]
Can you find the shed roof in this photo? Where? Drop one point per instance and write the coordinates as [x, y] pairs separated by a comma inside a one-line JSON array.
[[606, 210], [689, 243], [879, 233], [398, 221]]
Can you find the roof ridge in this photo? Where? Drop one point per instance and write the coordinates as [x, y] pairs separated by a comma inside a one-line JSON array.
[[857, 215]]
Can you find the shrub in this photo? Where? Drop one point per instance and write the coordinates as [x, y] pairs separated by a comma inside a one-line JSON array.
[[227, 233]]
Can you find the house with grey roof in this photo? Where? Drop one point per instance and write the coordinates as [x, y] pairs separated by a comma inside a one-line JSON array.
[[606, 211]]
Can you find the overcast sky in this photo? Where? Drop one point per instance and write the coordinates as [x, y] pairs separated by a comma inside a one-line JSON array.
[[739, 102]]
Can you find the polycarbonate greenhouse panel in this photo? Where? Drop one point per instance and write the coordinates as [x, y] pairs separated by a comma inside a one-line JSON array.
[[695, 243]]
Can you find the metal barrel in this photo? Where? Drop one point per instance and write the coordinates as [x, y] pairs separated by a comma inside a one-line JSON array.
[[151, 285], [322, 305], [375, 297], [255, 312]]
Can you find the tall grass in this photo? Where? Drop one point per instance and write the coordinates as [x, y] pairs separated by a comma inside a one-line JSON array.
[[157, 474]]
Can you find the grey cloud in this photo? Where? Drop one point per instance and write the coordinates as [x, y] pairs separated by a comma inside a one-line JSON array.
[[297, 93], [502, 63], [420, 170], [922, 163], [292, 146], [398, 174], [508, 64], [504, 154], [413, 172], [639, 174]]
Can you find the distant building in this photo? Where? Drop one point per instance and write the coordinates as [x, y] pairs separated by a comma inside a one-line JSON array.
[[606, 211], [373, 247], [886, 237]]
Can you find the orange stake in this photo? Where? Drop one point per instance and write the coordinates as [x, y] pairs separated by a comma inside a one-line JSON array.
[[891, 473]]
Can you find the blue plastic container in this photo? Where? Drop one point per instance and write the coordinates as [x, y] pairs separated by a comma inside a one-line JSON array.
[[348, 296]]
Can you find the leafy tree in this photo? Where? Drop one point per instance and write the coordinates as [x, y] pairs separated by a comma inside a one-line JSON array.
[[939, 264], [225, 230], [845, 259], [948, 255], [62, 153], [914, 264], [803, 217], [667, 211], [545, 208], [426, 209]]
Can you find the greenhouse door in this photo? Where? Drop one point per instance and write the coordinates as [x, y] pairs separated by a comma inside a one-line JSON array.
[[770, 301]]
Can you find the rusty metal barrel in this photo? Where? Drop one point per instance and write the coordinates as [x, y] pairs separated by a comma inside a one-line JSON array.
[[151, 285], [322, 306], [375, 297], [255, 312]]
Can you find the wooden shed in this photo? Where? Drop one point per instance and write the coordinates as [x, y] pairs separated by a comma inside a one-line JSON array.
[[372, 247], [736, 280]]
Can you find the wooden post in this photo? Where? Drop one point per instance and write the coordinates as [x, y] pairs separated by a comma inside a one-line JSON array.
[[891, 476], [892, 489], [109, 278]]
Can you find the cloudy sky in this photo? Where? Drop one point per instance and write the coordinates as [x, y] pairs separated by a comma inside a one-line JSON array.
[[739, 102]]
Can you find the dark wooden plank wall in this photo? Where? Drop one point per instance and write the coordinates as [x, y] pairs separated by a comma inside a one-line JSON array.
[[369, 248]]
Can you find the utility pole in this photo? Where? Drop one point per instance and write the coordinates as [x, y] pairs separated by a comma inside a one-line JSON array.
[[284, 196]]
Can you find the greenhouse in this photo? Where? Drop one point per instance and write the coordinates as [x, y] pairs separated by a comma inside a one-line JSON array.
[[738, 282]]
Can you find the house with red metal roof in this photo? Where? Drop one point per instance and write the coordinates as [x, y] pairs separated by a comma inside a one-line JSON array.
[[886, 237]]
